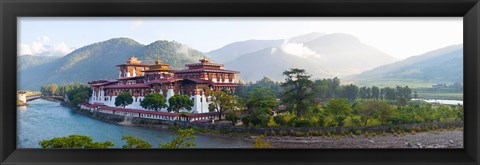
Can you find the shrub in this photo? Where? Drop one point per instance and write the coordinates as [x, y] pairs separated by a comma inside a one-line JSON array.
[[280, 120], [357, 132], [356, 121], [300, 122], [260, 143], [271, 122], [299, 133]]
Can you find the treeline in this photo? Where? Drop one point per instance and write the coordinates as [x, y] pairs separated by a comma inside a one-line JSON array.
[[76, 92], [344, 105], [59, 90], [331, 88]]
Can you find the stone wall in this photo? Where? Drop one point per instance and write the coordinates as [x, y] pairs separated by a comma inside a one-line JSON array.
[[266, 130], [100, 116]]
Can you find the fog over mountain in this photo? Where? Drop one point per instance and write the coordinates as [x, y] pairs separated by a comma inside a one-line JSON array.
[[322, 55], [232, 51]]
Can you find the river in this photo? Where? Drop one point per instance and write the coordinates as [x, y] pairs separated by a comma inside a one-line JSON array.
[[440, 101], [43, 119]]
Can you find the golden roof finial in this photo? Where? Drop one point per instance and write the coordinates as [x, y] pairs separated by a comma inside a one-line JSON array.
[[158, 61], [134, 60], [204, 60]]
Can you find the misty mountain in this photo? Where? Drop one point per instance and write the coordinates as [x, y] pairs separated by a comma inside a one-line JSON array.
[[347, 54], [98, 60], [234, 50], [271, 62], [27, 61], [322, 55], [306, 37], [444, 65]]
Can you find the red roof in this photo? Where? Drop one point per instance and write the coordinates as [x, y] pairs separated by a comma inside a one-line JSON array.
[[140, 111], [202, 114], [204, 64], [198, 80], [130, 64], [205, 70], [129, 78], [122, 86], [166, 80], [104, 82]]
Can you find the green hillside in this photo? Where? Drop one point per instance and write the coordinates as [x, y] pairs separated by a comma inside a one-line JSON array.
[[29, 61], [443, 65], [98, 60]]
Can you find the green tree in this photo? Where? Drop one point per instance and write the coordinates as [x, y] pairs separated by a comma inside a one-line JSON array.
[[389, 93], [260, 104], [79, 94], [50, 90], [299, 91], [385, 111], [133, 142], [74, 141], [177, 102], [334, 87], [368, 109], [364, 92], [256, 117], [222, 101], [233, 116], [154, 101], [339, 109], [404, 93], [322, 88], [375, 92], [123, 99], [182, 140], [350, 92], [261, 97]]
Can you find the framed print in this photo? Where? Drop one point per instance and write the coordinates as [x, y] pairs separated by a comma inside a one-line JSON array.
[[157, 82]]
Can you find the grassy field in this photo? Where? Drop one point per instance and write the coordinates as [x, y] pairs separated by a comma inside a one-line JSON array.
[[424, 89], [412, 83], [440, 95]]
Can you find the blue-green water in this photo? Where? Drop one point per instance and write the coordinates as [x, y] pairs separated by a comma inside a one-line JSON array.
[[43, 119]]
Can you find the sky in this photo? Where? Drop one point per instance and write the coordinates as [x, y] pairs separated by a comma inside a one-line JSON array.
[[400, 37]]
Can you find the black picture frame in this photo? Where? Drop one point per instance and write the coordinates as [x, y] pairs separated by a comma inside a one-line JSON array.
[[10, 10]]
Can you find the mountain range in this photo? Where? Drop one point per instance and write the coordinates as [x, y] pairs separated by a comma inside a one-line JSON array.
[[444, 65], [321, 55]]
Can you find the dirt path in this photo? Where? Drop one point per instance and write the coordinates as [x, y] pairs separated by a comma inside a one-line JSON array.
[[433, 139]]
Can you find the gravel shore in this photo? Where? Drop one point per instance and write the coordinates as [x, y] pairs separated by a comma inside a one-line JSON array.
[[433, 139]]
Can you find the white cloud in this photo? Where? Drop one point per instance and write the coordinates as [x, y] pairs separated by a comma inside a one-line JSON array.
[[298, 49], [184, 49], [42, 46]]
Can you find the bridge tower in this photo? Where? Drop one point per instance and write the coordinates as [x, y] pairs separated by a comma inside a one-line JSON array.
[[22, 96]]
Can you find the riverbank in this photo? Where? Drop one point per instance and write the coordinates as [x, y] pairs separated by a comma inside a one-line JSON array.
[[430, 135], [44, 120], [432, 139]]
